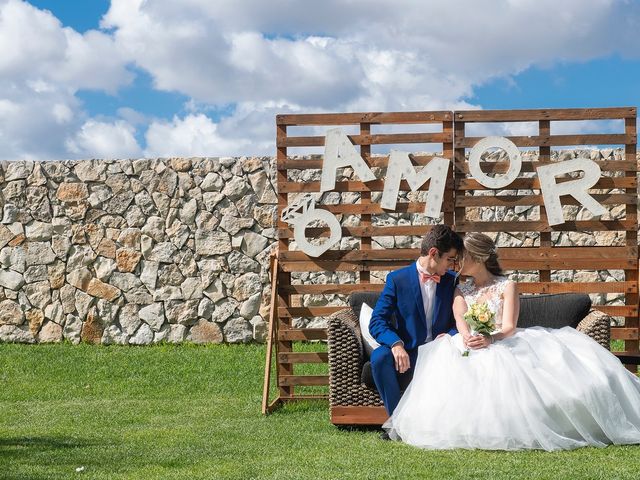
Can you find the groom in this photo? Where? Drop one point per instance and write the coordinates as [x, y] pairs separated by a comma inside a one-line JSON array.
[[421, 297]]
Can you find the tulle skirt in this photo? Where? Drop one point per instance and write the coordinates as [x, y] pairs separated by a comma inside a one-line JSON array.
[[538, 389]]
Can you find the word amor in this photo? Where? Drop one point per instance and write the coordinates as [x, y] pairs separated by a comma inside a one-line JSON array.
[[340, 152]]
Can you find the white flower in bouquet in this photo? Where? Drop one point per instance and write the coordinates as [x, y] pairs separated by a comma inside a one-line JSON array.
[[481, 319]]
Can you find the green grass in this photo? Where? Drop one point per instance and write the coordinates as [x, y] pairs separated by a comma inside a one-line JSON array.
[[187, 412]]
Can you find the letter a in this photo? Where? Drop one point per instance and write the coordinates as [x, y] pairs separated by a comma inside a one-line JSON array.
[[340, 152], [551, 191], [400, 167]]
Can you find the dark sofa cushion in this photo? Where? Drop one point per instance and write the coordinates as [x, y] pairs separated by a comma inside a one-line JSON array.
[[553, 311], [357, 299]]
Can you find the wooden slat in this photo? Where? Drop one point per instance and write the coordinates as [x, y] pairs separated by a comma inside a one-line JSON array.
[[537, 226], [544, 114], [556, 140], [300, 380], [320, 266], [618, 310], [303, 357], [376, 209], [362, 231], [352, 186], [536, 200], [377, 139], [300, 333], [628, 255], [527, 167], [534, 183], [523, 287], [618, 333], [373, 161], [358, 415], [306, 333], [327, 289], [368, 117], [577, 287]]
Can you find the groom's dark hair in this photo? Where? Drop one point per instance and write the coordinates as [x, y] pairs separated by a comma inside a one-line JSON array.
[[443, 238]]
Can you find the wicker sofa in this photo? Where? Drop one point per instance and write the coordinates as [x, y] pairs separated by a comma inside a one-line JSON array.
[[353, 397]]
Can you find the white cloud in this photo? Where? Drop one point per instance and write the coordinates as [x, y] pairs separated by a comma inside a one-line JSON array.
[[42, 67], [254, 59], [104, 140], [193, 135]]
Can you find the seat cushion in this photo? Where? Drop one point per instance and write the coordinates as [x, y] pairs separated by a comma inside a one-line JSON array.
[[553, 311], [357, 299]]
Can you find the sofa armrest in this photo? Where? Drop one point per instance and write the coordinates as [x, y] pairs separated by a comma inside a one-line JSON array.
[[598, 326], [345, 362]]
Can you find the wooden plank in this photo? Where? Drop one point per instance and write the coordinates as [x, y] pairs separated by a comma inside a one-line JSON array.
[[618, 333], [284, 278], [375, 266], [365, 202], [523, 287], [534, 183], [303, 357], [307, 380], [577, 287], [553, 114], [316, 162], [358, 415], [332, 288], [273, 260], [368, 117], [306, 333], [557, 140], [618, 310], [376, 209], [301, 333], [502, 167], [352, 186], [537, 200], [507, 264], [377, 139], [631, 213], [384, 231], [537, 226], [629, 255]]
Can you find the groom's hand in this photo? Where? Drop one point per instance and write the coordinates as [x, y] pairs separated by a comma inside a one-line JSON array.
[[401, 358]]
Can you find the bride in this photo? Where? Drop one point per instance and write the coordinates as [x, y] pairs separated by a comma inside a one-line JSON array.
[[533, 388]]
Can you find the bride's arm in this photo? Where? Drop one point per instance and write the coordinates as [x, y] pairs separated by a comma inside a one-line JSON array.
[[459, 309], [510, 311]]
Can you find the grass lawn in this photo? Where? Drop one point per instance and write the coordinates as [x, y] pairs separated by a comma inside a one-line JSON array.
[[186, 411]]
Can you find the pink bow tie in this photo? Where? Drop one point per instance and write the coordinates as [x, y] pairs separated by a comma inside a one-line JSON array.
[[425, 277]]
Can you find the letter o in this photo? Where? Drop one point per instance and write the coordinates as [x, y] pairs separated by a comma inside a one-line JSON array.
[[500, 181], [301, 225]]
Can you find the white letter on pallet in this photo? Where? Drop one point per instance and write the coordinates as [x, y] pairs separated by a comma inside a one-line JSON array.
[[400, 167], [551, 191], [340, 152], [500, 181]]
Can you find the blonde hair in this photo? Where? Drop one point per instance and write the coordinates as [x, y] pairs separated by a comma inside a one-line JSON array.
[[482, 249]]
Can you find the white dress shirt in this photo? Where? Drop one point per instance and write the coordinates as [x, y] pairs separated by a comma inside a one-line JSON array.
[[428, 290]]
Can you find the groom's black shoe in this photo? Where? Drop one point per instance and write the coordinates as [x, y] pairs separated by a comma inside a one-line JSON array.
[[385, 436]]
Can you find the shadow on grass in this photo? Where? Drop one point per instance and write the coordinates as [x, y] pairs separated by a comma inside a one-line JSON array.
[[18, 446]]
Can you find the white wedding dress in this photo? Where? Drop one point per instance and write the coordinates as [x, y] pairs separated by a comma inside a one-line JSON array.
[[550, 389]]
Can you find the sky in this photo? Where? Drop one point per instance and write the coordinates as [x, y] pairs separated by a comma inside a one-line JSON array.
[[149, 78]]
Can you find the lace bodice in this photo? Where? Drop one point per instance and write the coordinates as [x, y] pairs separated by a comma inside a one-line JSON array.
[[492, 294]]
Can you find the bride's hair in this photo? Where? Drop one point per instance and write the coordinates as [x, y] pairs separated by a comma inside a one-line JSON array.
[[481, 248]]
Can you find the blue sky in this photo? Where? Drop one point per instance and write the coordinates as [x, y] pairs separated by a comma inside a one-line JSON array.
[[127, 78]]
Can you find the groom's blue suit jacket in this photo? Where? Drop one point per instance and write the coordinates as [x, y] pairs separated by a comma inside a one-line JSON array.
[[402, 297]]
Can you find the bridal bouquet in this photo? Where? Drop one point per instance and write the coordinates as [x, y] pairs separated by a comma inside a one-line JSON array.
[[481, 319]]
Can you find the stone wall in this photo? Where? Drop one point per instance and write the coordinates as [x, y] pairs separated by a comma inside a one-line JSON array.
[[141, 251], [136, 251]]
